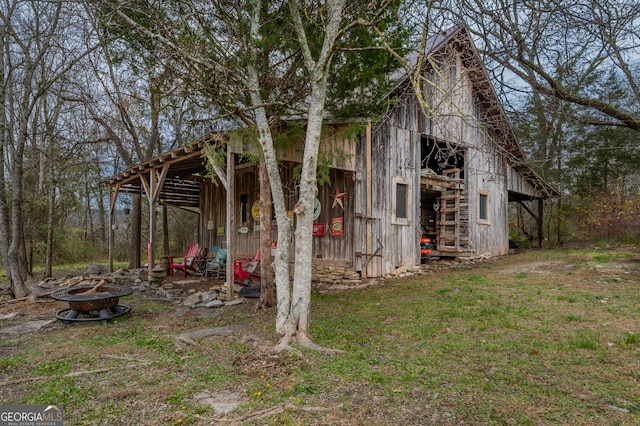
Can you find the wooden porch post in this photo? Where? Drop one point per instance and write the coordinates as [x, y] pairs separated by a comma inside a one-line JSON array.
[[369, 202], [113, 197], [230, 219], [539, 220], [152, 226], [152, 188]]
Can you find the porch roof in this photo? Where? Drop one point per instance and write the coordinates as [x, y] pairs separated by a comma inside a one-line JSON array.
[[183, 168]]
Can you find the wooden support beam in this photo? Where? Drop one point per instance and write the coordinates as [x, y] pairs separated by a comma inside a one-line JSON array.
[[222, 176], [230, 220], [538, 217], [369, 203], [113, 198], [535, 216], [539, 221]]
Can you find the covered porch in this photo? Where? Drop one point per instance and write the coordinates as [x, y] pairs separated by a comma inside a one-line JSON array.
[[227, 209], [177, 179]]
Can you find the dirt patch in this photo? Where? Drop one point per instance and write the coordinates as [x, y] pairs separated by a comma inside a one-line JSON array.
[[630, 266], [29, 310], [192, 284], [267, 362], [23, 328]]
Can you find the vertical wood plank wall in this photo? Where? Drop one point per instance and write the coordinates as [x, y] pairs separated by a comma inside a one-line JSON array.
[[338, 250], [373, 241]]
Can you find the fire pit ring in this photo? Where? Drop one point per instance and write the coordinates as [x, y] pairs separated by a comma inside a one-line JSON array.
[[102, 315], [90, 303]]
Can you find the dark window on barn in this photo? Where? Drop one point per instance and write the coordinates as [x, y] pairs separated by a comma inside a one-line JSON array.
[[401, 200], [483, 211]]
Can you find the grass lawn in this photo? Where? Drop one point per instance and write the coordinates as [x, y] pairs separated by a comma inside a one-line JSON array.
[[537, 338]]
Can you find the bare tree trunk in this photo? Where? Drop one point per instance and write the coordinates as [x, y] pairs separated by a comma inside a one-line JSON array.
[[23, 90], [281, 260], [50, 221], [267, 288], [4, 143], [11, 218], [50, 120], [297, 324], [17, 259]]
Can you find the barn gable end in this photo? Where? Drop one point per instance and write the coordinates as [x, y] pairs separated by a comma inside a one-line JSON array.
[[454, 156]]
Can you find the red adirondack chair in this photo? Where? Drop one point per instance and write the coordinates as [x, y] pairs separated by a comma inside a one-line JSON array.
[[187, 263], [244, 270]]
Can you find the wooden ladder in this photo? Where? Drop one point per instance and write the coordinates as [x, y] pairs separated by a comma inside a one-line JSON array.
[[453, 233]]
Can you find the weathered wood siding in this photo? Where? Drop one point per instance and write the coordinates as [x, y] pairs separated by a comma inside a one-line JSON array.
[[336, 250], [213, 207], [455, 120], [394, 152], [336, 150], [486, 174], [213, 202], [519, 184], [374, 241], [459, 121]]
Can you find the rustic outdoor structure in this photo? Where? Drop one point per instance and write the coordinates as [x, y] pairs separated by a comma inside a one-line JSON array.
[[449, 165]]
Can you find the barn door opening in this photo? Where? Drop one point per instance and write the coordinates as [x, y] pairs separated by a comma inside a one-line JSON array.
[[438, 157], [453, 235], [443, 174], [429, 214]]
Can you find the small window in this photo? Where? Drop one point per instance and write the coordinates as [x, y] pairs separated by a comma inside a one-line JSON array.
[[483, 210], [401, 201]]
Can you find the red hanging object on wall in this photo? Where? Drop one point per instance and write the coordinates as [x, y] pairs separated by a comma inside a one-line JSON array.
[[337, 200], [319, 229], [336, 226]]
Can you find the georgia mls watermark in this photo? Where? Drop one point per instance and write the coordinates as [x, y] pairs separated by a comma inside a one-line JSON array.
[[31, 415]]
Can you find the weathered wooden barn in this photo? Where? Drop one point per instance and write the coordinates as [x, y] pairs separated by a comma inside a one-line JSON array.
[[446, 163]]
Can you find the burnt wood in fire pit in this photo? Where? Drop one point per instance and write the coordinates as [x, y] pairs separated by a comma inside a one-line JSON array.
[[91, 303]]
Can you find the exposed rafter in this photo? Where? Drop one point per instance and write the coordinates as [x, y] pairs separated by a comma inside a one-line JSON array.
[[180, 172]]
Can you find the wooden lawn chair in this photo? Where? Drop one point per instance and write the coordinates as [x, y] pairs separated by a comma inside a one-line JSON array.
[[200, 262], [244, 270], [187, 263], [218, 265]]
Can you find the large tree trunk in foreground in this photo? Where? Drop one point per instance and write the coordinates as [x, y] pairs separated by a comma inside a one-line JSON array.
[[281, 259], [296, 328], [265, 139], [267, 288]]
